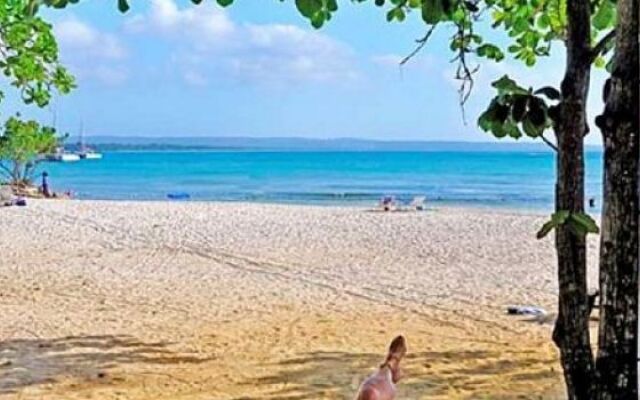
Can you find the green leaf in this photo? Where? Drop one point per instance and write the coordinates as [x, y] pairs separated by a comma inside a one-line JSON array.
[[543, 22], [432, 11], [584, 222], [545, 229], [473, 7], [487, 118], [605, 16], [308, 8], [560, 217], [123, 6], [395, 13], [557, 219], [490, 51], [332, 5], [531, 129], [512, 130], [519, 108], [580, 224], [317, 20], [537, 112], [550, 92], [506, 85], [557, 12]]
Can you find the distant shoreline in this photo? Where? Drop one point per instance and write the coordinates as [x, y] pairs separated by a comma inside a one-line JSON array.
[[118, 149], [238, 144]]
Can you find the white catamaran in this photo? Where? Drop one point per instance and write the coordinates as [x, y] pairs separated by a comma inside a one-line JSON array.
[[86, 152], [63, 156]]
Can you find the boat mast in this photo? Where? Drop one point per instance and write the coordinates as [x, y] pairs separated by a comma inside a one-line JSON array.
[[82, 146]]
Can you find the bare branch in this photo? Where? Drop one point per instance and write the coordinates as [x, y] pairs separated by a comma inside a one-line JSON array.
[[602, 45], [549, 143], [421, 43], [464, 73]]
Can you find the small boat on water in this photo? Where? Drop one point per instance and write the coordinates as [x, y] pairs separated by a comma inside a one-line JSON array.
[[63, 156], [85, 152], [89, 155]]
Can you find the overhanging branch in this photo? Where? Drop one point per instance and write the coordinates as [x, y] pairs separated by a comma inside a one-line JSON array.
[[602, 45], [549, 143], [421, 43]]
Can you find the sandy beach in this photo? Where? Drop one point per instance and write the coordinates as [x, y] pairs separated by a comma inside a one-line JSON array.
[[153, 300]]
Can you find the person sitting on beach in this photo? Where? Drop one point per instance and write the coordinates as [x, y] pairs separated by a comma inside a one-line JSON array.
[[382, 384], [387, 203]]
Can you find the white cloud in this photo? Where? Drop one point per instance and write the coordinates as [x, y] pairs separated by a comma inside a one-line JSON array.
[[209, 44], [204, 25], [91, 54], [74, 35]]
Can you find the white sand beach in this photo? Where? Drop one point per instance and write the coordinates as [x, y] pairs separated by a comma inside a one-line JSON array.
[[154, 300]]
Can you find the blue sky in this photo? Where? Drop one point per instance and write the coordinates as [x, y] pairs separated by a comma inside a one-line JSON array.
[[168, 68]]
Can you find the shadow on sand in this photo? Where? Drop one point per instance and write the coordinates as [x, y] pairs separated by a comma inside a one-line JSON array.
[[30, 362], [336, 375]]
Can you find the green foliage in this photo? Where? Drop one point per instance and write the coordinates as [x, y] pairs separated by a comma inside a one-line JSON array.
[[22, 145], [532, 24], [29, 61], [580, 224], [516, 110], [605, 17], [29, 53], [124, 6]]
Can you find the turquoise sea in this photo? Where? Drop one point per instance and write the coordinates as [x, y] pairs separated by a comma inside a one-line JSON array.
[[497, 179]]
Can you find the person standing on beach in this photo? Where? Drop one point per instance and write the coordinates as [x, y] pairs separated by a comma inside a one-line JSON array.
[[45, 185]]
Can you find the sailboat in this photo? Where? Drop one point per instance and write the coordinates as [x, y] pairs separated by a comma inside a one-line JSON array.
[[85, 152], [63, 156]]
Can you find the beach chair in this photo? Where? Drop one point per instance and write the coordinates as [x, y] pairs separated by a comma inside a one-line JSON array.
[[387, 203], [418, 203]]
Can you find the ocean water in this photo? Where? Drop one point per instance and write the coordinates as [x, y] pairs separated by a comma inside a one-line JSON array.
[[494, 179]]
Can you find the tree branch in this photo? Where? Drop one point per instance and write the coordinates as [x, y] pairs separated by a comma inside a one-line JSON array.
[[601, 46], [464, 73], [421, 43], [549, 143]]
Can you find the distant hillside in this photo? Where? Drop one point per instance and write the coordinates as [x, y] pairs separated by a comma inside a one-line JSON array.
[[116, 143]]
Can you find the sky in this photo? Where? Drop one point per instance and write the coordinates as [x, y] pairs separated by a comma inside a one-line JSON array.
[[169, 68]]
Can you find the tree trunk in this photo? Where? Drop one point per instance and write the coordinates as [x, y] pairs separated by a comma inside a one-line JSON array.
[[617, 357], [571, 333]]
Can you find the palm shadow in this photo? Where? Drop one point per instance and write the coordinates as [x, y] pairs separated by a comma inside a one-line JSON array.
[[31, 362]]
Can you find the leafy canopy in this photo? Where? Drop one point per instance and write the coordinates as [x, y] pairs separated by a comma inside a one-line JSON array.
[[29, 54], [29, 61], [22, 145]]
